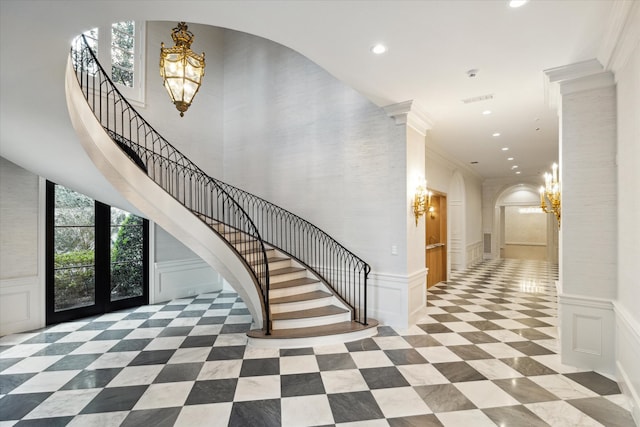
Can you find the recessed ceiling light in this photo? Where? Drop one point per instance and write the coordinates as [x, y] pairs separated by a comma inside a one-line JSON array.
[[486, 112], [514, 167], [496, 134], [379, 49], [517, 172], [509, 158], [505, 148], [517, 3]]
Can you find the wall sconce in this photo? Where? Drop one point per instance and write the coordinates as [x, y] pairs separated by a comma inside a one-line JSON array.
[[432, 211], [421, 200], [551, 193], [181, 69]]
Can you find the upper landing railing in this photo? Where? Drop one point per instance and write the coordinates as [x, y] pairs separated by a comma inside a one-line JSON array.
[[258, 221]]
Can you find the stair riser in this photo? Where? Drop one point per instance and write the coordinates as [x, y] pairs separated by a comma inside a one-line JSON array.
[[301, 305], [295, 290], [310, 322], [288, 276]]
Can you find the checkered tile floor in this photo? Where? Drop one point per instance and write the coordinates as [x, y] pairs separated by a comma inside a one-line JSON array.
[[484, 354]]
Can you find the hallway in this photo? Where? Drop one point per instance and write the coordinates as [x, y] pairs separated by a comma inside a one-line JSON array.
[[484, 355]]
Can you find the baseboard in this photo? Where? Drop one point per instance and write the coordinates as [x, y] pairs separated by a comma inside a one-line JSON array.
[[627, 357], [184, 278]]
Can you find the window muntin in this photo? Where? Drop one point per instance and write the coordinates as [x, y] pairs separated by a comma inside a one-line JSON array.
[[121, 53]]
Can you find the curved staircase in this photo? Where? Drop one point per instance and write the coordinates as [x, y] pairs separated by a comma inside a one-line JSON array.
[[301, 286]]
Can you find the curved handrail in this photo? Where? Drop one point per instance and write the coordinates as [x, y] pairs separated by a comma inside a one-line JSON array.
[[343, 271]]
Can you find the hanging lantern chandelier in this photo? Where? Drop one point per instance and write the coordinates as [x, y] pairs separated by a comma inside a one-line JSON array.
[[181, 69]]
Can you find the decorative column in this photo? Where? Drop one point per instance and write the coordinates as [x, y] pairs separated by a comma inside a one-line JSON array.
[[414, 288], [588, 237]]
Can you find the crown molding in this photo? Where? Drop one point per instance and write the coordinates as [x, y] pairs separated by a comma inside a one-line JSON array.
[[622, 34], [411, 114], [593, 81], [554, 77]]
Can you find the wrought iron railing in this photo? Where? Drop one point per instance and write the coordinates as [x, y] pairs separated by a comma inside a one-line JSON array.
[[246, 221]]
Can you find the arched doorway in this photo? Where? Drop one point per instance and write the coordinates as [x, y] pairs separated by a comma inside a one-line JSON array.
[[522, 230]]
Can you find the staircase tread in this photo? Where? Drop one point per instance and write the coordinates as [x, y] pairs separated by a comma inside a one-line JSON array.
[[328, 310], [301, 297], [293, 283], [314, 331]]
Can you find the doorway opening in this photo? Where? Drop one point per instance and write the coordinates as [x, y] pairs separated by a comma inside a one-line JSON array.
[[436, 238]]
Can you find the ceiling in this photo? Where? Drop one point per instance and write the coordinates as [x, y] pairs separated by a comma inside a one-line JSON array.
[[431, 46]]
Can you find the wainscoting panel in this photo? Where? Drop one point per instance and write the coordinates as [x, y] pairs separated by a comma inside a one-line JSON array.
[[587, 341], [474, 253], [20, 305], [396, 300], [183, 278]]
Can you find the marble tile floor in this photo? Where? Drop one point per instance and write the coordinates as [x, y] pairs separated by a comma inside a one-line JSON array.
[[483, 354]]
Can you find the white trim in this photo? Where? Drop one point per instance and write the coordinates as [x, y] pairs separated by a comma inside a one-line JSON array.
[[622, 35], [525, 244], [183, 278], [396, 300], [411, 114], [587, 341], [312, 341], [627, 356], [553, 77], [594, 81]]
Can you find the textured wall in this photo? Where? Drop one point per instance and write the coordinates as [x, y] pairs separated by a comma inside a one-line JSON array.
[[18, 221], [300, 138]]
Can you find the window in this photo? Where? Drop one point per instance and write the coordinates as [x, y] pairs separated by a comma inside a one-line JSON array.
[[122, 52]]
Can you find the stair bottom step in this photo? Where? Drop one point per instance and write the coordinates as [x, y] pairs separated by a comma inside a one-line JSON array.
[[315, 331]]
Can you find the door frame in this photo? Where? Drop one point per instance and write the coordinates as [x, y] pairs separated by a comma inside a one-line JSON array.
[[102, 266]]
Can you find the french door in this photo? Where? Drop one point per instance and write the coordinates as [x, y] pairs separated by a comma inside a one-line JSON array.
[[96, 258]]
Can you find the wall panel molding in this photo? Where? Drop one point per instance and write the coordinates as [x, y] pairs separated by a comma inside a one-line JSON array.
[[397, 300], [587, 341], [183, 278]]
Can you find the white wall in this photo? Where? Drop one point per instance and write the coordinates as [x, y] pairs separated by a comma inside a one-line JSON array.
[[440, 169], [199, 133], [303, 140], [628, 212], [21, 251]]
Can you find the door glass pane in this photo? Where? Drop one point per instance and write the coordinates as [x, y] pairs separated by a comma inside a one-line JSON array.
[[127, 271], [74, 250]]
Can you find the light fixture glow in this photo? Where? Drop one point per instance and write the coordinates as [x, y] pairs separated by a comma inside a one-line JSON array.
[[486, 112], [379, 49], [517, 172], [517, 3], [505, 148], [496, 134], [181, 69], [514, 167], [551, 192], [509, 158]]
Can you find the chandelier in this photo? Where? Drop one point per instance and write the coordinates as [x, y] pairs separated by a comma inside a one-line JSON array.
[[181, 69], [551, 193]]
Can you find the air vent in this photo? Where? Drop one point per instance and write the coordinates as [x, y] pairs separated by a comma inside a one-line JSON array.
[[478, 98], [487, 243]]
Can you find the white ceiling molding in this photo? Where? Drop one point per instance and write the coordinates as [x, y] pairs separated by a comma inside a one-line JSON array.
[[593, 81], [411, 114], [622, 35], [554, 76]]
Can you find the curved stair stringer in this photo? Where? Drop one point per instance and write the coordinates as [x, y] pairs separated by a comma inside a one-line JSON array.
[[143, 193]]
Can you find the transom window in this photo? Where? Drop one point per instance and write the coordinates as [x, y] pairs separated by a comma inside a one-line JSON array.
[[122, 52]]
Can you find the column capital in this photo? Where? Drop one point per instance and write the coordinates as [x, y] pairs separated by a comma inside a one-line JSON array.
[[411, 114]]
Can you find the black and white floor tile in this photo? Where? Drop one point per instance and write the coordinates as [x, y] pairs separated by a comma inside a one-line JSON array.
[[484, 354]]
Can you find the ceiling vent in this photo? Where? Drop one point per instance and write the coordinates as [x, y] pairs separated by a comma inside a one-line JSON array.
[[478, 98]]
